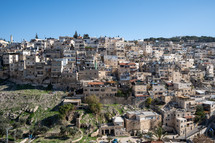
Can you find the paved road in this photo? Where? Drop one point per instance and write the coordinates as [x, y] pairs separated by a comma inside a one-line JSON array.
[[24, 141], [121, 139], [79, 138]]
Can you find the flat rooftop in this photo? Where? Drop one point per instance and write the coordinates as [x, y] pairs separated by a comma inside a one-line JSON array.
[[209, 102], [71, 100]]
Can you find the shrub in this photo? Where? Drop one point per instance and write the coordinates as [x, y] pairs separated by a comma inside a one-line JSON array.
[[38, 130]]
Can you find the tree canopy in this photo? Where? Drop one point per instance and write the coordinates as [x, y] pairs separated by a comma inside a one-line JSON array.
[[94, 105], [65, 110], [66, 131], [36, 37], [75, 35], [148, 101], [200, 114], [86, 36]]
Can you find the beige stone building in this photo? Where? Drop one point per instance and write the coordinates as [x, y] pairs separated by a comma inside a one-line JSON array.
[[185, 102], [139, 88], [116, 128], [184, 87], [178, 120], [157, 90], [10, 58], [100, 89], [176, 76], [141, 121], [142, 75], [111, 61]]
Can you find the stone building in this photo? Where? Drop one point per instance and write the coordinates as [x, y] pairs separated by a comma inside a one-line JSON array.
[[141, 121], [178, 120], [209, 107], [100, 89], [115, 128]]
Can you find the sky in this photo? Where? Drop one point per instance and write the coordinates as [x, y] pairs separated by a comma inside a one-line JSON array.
[[131, 19]]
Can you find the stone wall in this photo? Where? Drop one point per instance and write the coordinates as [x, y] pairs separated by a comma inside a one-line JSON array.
[[117, 100], [131, 125]]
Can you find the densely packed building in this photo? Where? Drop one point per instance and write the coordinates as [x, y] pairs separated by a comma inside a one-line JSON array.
[[180, 74]]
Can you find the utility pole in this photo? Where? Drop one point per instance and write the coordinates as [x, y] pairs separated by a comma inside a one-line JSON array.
[[7, 129], [7, 135], [15, 136]]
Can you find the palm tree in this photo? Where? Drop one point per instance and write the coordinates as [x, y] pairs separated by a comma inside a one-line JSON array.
[[159, 133], [150, 136]]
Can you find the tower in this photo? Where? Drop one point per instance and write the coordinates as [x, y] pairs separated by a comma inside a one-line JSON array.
[[11, 38]]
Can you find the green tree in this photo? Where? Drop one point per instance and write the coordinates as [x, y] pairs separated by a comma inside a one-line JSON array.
[[86, 36], [65, 110], [119, 93], [148, 101], [149, 136], [135, 42], [75, 35], [200, 114], [159, 133], [36, 37], [66, 131], [49, 87], [94, 105]]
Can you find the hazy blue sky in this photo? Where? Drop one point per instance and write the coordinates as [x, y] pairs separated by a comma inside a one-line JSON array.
[[132, 19]]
